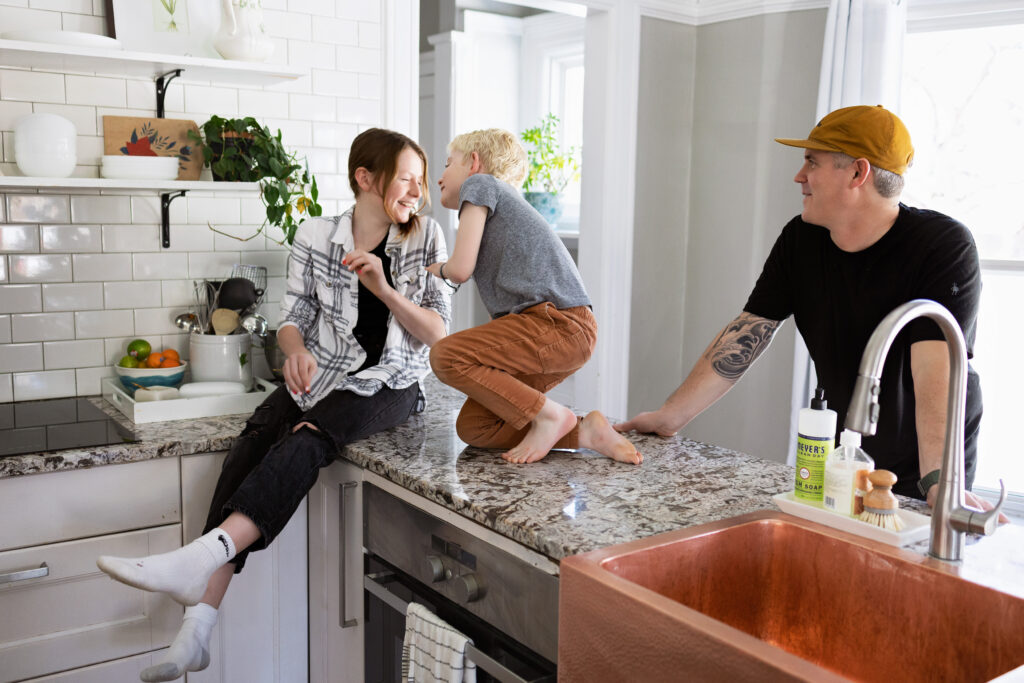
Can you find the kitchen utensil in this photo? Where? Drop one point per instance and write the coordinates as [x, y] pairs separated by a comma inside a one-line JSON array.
[[238, 293], [193, 389], [188, 322], [224, 321], [221, 358], [274, 355], [44, 145], [254, 323], [255, 274]]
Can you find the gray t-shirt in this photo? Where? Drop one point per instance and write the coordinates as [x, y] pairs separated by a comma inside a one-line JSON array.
[[521, 261]]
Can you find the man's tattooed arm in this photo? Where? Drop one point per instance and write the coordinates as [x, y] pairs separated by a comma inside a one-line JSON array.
[[740, 344]]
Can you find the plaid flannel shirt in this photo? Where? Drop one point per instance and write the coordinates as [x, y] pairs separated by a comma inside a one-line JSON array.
[[322, 301]]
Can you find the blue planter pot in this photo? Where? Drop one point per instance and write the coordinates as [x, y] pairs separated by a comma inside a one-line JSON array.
[[547, 204]]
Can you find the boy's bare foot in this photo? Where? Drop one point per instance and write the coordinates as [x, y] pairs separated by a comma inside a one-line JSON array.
[[597, 434], [552, 423]]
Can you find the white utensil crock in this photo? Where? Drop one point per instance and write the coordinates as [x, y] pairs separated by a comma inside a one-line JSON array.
[[44, 145], [221, 358]]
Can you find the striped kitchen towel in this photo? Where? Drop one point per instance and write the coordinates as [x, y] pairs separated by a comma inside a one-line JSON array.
[[433, 651]]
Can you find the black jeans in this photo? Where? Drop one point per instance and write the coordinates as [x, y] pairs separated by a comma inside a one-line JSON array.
[[270, 468]]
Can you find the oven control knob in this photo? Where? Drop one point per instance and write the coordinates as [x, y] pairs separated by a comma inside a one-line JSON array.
[[467, 588], [436, 569]]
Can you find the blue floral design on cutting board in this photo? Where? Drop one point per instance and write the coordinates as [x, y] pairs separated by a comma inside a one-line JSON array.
[[148, 142]]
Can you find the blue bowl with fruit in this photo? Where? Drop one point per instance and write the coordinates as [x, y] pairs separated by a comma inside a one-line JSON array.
[[136, 378]]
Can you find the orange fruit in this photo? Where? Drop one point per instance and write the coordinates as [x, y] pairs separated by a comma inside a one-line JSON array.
[[171, 354], [170, 363], [154, 359]]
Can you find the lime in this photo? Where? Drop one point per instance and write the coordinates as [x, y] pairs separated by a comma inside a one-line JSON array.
[[139, 348], [129, 362]]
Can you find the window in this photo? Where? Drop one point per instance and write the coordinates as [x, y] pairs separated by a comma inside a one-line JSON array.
[[964, 106]]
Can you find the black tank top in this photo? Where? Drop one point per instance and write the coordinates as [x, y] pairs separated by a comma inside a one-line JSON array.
[[372, 322]]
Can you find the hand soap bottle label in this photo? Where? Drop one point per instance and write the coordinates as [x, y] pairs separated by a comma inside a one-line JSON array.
[[810, 467]]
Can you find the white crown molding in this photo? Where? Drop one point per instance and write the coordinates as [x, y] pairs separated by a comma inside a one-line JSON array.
[[700, 12], [936, 15]]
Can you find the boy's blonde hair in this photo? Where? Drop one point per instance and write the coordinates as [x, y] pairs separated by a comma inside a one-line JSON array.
[[501, 154]]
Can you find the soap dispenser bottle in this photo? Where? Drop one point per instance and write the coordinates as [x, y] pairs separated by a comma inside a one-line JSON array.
[[846, 469], [816, 434]]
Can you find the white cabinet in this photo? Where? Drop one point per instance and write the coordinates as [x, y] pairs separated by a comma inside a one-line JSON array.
[[261, 632], [336, 575], [58, 610]]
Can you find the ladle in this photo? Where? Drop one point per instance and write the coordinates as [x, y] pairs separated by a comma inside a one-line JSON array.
[[188, 322], [254, 323]]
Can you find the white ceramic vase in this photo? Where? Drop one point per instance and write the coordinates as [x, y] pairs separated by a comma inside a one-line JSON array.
[[44, 145], [242, 35], [221, 358]]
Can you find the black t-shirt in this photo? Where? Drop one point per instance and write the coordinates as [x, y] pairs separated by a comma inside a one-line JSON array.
[[837, 299], [371, 328]]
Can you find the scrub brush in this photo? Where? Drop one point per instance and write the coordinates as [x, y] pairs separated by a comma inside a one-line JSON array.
[[880, 505]]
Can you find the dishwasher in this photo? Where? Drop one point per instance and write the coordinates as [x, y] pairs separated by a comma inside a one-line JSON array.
[[504, 604]]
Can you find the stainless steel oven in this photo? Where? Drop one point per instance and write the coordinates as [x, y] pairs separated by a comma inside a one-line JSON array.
[[507, 606]]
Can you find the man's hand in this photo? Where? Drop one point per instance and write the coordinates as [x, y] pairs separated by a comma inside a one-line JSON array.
[[970, 499], [654, 422], [299, 370], [369, 269]]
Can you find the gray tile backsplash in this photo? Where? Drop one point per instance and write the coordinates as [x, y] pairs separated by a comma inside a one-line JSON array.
[[83, 271]]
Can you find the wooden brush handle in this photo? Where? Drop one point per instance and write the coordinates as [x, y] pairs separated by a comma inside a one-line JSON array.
[[880, 496]]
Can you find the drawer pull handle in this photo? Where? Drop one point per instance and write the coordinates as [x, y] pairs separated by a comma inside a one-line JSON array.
[[23, 574]]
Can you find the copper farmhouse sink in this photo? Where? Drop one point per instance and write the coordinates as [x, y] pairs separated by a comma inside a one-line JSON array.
[[767, 596]]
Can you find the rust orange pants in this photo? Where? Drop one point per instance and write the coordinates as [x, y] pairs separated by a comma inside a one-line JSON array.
[[506, 366]]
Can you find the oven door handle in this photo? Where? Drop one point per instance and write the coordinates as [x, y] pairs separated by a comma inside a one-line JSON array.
[[374, 583]]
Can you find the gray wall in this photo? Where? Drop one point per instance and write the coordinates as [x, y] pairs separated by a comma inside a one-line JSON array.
[[753, 79]]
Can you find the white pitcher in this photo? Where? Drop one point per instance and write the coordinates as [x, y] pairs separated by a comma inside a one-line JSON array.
[[241, 35]]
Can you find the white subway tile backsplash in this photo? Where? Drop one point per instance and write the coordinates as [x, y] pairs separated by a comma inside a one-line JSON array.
[[305, 53], [191, 238], [369, 35], [238, 238], [72, 296], [224, 101], [288, 24], [321, 161], [358, 10], [95, 90], [176, 293], [60, 355], [216, 265], [24, 238], [160, 266], [360, 111], [359, 59], [99, 324], [275, 288], [83, 117], [335, 31], [146, 209], [11, 111], [90, 151], [313, 107], [316, 7], [6, 389], [70, 238], [150, 322], [36, 327], [262, 103], [5, 329], [34, 386], [275, 262], [3, 268], [253, 210], [134, 294], [32, 86], [40, 268], [335, 83], [20, 299], [213, 210], [101, 209], [131, 238], [369, 86], [89, 381], [115, 348], [102, 267], [38, 208], [21, 357], [294, 133], [335, 135]]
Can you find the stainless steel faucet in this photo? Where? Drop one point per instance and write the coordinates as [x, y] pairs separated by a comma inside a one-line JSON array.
[[951, 518]]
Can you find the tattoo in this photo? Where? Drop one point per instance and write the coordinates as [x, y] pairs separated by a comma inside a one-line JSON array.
[[740, 344]]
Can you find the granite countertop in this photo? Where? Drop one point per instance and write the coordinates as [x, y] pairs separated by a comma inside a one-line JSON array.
[[565, 504]]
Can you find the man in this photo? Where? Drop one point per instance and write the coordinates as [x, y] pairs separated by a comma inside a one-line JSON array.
[[853, 255]]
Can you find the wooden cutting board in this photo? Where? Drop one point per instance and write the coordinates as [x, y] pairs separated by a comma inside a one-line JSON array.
[[144, 136]]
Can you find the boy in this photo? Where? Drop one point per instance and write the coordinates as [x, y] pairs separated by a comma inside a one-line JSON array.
[[541, 330]]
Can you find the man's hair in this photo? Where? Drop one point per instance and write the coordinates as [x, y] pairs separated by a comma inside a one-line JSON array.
[[377, 150], [887, 183], [501, 154]]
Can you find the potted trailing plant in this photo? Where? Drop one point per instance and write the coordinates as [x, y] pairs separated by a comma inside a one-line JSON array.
[[550, 168], [244, 150]]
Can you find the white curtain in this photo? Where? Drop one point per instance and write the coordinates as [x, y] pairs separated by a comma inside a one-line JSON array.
[[861, 63]]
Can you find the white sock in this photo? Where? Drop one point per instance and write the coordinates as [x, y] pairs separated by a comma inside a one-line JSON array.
[[190, 650], [182, 573]]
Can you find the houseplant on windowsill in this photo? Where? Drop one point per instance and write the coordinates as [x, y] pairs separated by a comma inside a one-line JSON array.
[[550, 168], [244, 150]]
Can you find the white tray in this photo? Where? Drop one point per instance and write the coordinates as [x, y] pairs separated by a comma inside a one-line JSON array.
[[184, 408], [915, 525]]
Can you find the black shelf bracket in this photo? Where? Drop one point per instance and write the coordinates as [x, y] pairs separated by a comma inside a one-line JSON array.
[[161, 89], [165, 215]]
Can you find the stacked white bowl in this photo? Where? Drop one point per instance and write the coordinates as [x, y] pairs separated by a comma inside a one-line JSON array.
[[139, 167]]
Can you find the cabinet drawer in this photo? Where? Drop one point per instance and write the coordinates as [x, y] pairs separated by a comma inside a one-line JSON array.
[[118, 671], [61, 506], [75, 615]]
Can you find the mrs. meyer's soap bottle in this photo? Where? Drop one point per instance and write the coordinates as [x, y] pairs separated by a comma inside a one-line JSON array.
[[816, 433]]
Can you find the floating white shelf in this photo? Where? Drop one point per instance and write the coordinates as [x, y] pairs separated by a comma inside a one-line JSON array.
[[125, 184], [77, 59]]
